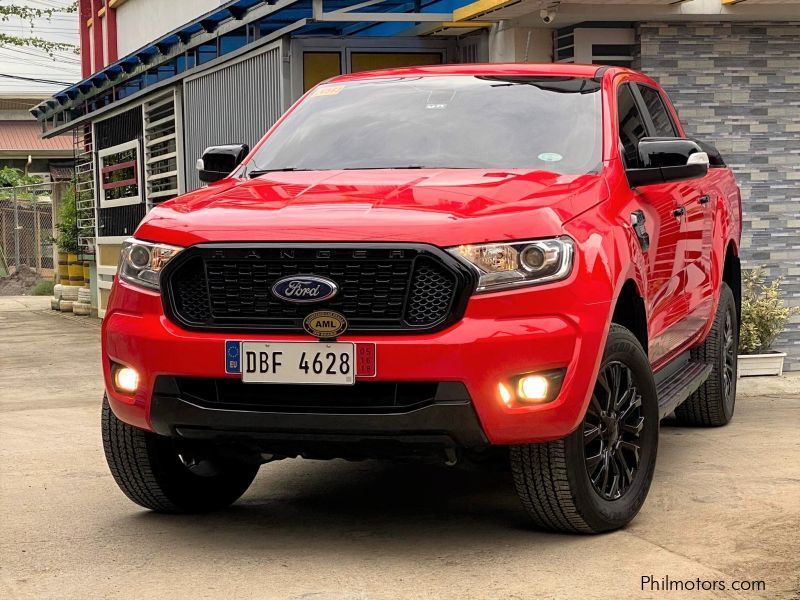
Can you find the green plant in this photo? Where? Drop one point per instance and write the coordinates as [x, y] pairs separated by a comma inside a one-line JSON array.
[[11, 177], [31, 14], [43, 288], [67, 227], [764, 313]]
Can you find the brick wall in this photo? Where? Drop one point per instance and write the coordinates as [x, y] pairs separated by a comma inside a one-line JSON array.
[[737, 85]]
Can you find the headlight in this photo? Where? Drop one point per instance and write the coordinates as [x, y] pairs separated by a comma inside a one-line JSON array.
[[141, 263], [518, 263]]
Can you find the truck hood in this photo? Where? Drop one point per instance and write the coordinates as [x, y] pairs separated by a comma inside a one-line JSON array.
[[444, 207]]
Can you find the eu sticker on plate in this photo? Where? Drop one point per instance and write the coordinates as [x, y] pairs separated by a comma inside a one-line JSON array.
[[233, 361]]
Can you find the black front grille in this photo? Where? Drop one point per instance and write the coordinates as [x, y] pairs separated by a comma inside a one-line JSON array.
[[372, 396], [381, 287]]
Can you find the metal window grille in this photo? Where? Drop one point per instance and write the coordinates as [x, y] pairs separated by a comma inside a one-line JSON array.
[[161, 149]]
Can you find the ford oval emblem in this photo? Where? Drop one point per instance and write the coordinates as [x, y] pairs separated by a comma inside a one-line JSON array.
[[304, 289]]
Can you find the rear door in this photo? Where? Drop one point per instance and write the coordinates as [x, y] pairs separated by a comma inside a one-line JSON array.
[[664, 300], [695, 199]]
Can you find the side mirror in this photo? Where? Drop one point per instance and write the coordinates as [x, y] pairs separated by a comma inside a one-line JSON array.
[[714, 157], [668, 159], [219, 161]]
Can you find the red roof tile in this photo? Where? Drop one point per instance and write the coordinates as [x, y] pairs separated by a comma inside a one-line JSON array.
[[26, 136]]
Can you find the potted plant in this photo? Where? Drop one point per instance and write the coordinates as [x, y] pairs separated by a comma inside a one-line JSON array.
[[66, 238], [764, 317], [67, 227]]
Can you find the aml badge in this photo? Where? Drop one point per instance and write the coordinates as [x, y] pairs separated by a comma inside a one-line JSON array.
[[325, 324]]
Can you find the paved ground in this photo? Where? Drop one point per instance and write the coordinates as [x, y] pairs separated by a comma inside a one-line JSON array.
[[725, 505]]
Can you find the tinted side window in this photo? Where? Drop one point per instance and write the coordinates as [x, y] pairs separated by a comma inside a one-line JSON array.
[[631, 127], [658, 112]]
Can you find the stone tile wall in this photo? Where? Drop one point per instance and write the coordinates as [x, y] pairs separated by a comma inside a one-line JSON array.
[[737, 85]]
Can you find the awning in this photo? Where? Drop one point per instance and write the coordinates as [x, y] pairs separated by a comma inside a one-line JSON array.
[[181, 50]]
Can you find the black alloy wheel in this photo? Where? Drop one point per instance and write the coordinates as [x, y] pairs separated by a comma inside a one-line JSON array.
[[730, 343], [611, 430], [597, 477]]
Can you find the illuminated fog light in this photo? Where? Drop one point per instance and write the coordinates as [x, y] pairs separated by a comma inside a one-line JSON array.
[[532, 388], [505, 395], [126, 380]]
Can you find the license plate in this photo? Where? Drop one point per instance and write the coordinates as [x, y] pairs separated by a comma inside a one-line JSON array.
[[331, 363]]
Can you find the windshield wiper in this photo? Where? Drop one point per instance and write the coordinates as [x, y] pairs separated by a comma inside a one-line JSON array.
[[259, 172], [378, 168]]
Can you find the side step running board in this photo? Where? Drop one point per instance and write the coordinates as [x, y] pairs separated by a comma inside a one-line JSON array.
[[677, 386]]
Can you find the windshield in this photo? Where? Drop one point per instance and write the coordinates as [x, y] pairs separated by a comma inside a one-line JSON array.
[[455, 121]]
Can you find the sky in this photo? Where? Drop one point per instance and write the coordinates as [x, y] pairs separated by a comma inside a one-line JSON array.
[[32, 62]]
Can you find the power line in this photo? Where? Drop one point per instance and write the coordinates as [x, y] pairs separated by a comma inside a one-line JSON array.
[[50, 4], [35, 28], [62, 58], [35, 73], [66, 56], [59, 11], [61, 16], [32, 50], [43, 66], [44, 70], [48, 68], [34, 79]]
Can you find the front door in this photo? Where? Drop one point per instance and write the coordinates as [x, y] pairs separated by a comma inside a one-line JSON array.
[[694, 200], [664, 300]]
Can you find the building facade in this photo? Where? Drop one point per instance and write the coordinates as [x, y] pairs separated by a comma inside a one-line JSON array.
[[165, 80], [21, 144]]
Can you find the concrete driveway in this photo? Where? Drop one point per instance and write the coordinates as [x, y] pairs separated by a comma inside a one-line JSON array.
[[725, 506]]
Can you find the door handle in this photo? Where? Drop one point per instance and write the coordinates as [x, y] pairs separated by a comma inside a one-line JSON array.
[[679, 212], [705, 199]]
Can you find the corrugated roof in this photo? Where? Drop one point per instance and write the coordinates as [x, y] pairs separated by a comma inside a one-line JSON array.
[[26, 136]]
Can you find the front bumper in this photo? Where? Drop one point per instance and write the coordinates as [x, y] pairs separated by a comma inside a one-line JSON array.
[[446, 420], [500, 336]]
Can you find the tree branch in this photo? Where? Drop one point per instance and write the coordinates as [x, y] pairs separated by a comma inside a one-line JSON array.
[[26, 13], [36, 42]]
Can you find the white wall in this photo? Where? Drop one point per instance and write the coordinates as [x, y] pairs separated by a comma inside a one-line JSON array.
[[139, 22], [520, 44]]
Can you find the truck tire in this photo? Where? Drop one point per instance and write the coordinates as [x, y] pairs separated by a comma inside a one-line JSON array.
[[597, 478], [713, 403], [149, 470]]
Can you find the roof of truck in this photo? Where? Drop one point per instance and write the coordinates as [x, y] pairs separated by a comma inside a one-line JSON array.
[[544, 69]]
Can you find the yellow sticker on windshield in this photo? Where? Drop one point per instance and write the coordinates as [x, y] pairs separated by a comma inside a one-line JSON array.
[[328, 90]]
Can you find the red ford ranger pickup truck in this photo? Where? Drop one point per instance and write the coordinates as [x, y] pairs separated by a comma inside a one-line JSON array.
[[528, 260]]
